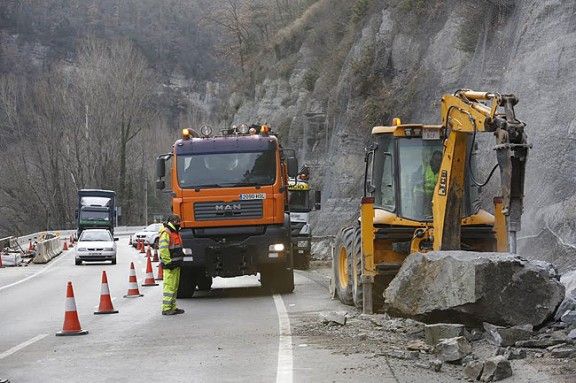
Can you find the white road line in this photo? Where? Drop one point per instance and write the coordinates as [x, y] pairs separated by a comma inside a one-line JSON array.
[[61, 257], [22, 345], [285, 362]]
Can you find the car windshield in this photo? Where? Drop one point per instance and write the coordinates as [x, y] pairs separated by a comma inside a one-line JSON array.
[[154, 227], [227, 169], [95, 236]]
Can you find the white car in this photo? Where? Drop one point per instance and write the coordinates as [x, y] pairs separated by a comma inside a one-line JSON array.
[[149, 235], [96, 245]]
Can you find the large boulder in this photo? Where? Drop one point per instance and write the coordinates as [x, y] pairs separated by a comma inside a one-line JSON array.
[[472, 287]]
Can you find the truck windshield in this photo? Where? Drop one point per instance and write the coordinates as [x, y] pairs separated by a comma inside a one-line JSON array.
[[298, 200], [213, 170], [92, 215]]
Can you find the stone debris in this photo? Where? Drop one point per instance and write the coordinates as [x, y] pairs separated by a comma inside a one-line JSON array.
[[495, 369], [572, 334], [568, 304], [563, 352], [512, 353], [506, 336], [542, 342], [569, 317], [436, 332], [434, 365], [453, 349], [333, 317], [473, 370], [419, 345], [472, 287]]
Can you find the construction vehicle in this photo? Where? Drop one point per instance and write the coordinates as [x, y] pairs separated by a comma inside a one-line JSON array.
[[96, 210], [402, 212], [301, 202], [231, 192]]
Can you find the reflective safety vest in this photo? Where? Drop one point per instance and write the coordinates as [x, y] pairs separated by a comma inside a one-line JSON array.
[[430, 179], [170, 245]]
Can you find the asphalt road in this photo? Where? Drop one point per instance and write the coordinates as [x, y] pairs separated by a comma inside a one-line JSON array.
[[234, 333]]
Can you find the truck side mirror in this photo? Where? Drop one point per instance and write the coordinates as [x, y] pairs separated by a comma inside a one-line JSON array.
[[160, 167], [292, 163], [160, 184], [317, 200]]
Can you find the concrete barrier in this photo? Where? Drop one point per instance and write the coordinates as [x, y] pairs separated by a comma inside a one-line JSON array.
[[48, 249]]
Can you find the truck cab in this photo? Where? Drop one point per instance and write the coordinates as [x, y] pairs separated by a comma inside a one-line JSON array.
[[231, 192], [96, 210]]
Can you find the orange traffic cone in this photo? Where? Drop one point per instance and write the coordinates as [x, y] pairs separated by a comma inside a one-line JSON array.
[[65, 245], [1, 265], [155, 259], [148, 252], [133, 291], [160, 276], [30, 246], [138, 245], [149, 281], [71, 323], [106, 306], [142, 247]]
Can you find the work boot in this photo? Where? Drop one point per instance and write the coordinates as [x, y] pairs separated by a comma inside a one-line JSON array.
[[170, 312], [178, 311]]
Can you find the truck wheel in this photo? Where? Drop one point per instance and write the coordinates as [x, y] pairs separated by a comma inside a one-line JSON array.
[[204, 283], [357, 266], [277, 279], [342, 265], [187, 284]]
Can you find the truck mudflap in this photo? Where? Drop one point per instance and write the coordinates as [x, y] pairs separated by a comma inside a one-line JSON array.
[[301, 251], [226, 253]]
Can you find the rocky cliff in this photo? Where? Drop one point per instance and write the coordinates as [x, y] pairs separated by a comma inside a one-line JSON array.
[[396, 59]]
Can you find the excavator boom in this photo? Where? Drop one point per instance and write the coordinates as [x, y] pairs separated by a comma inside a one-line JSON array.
[[464, 114]]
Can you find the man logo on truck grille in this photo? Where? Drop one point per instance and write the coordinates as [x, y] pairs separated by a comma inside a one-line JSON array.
[[228, 208]]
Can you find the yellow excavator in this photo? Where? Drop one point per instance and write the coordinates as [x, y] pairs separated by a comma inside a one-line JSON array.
[[421, 193]]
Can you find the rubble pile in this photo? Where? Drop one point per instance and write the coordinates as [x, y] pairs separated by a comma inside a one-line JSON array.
[[12, 254]]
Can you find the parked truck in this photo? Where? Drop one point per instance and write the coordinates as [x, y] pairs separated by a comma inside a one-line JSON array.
[[231, 192], [96, 209], [302, 200]]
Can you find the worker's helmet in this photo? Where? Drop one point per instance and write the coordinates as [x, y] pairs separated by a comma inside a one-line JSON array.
[[173, 218]]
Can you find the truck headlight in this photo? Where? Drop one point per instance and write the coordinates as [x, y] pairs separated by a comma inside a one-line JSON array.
[[277, 247]]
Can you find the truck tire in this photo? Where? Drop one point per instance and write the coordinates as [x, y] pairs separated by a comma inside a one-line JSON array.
[[357, 266], [187, 284], [342, 265], [277, 279]]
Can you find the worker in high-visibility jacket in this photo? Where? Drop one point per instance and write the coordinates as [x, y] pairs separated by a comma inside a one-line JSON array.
[[171, 256]]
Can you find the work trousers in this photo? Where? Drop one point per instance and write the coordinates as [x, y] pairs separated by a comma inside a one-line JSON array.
[[171, 281]]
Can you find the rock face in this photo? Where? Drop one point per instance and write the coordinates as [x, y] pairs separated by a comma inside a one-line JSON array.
[[506, 336], [435, 332], [495, 369], [472, 287]]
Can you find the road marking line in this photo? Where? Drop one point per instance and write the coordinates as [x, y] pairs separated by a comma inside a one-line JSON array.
[[285, 362], [36, 274], [22, 345]]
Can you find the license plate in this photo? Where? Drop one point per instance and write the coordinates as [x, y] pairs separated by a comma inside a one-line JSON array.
[[94, 254], [430, 134], [252, 196], [302, 243]]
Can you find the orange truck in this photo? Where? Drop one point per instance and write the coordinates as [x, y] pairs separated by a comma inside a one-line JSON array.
[[231, 191]]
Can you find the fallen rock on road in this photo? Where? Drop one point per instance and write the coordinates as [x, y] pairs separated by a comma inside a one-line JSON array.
[[472, 287]]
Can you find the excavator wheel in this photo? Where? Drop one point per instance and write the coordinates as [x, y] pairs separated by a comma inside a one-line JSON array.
[[380, 282], [342, 265]]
